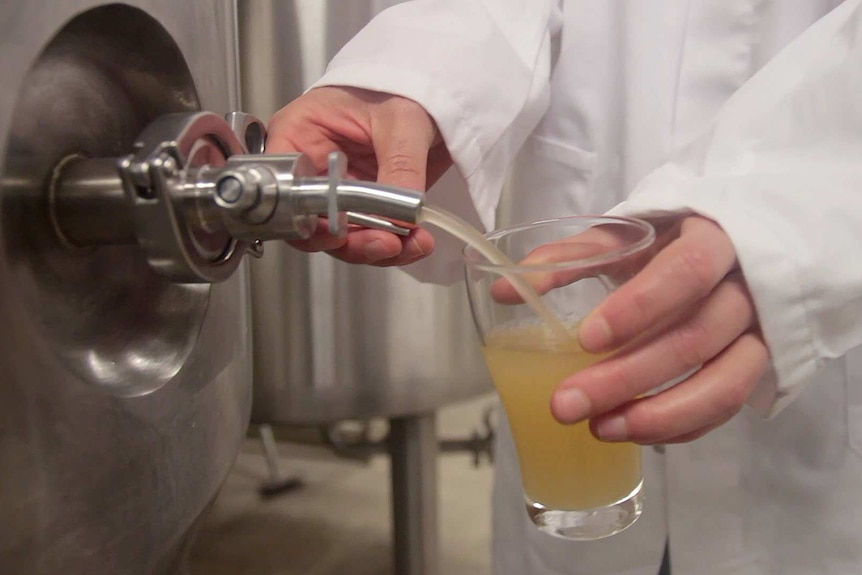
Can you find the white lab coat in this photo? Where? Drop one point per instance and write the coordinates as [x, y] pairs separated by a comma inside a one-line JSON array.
[[746, 111]]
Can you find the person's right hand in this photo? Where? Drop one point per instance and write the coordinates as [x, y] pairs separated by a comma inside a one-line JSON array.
[[386, 138]]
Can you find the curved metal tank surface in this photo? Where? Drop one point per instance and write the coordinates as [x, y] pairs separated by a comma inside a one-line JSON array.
[[124, 398], [335, 341]]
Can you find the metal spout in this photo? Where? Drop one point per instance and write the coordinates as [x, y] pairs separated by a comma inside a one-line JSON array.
[[361, 200], [266, 196]]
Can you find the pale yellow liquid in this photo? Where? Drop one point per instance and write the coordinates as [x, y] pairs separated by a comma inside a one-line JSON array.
[[563, 467]]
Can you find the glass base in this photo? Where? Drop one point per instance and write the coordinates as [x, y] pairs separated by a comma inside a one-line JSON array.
[[589, 524]]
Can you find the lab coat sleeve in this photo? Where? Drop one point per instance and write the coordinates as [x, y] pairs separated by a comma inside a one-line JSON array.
[[479, 67], [781, 172]]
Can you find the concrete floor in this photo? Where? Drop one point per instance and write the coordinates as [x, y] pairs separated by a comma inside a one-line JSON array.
[[339, 522]]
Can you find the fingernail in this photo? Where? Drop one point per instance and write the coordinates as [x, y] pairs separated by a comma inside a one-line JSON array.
[[571, 405], [376, 250], [612, 429], [595, 334], [416, 249]]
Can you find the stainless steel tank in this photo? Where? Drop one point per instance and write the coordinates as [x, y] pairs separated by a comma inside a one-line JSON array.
[[123, 397], [334, 341]]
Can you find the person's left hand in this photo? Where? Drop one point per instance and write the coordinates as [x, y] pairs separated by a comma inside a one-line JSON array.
[[688, 307]]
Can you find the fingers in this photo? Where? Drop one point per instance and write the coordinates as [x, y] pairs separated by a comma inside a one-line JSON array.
[[304, 125], [578, 255], [386, 138], [320, 241], [384, 249], [369, 246], [695, 406], [687, 309], [677, 277], [402, 133], [724, 316], [542, 281]]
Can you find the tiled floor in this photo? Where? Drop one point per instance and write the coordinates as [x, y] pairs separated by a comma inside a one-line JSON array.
[[339, 522]]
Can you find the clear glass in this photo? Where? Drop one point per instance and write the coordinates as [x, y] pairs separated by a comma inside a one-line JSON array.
[[575, 486]]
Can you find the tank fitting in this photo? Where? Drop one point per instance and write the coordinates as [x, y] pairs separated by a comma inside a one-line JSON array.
[[197, 193]]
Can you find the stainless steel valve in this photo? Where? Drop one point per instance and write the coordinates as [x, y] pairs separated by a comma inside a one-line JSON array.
[[197, 193]]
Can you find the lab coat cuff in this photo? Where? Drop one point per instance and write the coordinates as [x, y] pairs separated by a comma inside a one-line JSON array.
[[770, 276], [461, 136]]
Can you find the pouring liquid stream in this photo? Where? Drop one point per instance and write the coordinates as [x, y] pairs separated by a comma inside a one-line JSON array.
[[454, 225]]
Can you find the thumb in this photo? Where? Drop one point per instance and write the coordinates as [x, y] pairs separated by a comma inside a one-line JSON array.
[[402, 133]]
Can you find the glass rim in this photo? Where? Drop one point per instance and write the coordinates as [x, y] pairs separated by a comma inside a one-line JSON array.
[[605, 258]]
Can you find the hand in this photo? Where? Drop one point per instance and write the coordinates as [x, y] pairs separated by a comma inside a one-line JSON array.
[[386, 138], [688, 307], [595, 242]]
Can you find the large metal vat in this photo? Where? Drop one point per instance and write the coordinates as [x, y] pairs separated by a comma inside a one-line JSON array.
[[123, 397], [335, 341]]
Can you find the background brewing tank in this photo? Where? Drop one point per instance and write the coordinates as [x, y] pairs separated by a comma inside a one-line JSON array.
[[336, 341], [123, 398]]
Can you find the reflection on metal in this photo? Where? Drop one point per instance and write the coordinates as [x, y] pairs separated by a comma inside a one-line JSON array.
[[124, 397], [77, 100]]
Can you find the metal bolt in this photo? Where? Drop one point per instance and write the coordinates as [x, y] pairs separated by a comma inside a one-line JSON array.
[[140, 176], [255, 249], [230, 190], [169, 166], [140, 173]]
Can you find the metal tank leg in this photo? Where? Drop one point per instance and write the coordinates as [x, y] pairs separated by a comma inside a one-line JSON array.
[[277, 483], [413, 458]]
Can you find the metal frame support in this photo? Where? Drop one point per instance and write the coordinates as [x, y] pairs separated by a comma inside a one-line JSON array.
[[413, 450], [277, 483]]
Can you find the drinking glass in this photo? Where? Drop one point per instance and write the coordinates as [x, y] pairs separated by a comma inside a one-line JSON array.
[[575, 486]]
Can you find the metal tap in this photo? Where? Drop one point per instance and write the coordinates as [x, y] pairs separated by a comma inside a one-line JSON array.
[[197, 193]]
